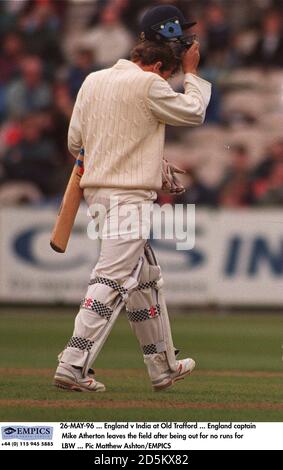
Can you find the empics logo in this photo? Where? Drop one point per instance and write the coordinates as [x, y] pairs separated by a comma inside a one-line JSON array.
[[8, 431], [27, 433]]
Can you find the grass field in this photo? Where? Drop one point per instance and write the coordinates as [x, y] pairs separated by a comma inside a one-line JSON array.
[[238, 376]]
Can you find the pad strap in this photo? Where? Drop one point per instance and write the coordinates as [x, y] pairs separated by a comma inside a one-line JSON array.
[[97, 307], [153, 348], [80, 343], [110, 283], [144, 314], [146, 285]]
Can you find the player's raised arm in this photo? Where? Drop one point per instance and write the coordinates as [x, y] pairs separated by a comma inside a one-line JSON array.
[[182, 109]]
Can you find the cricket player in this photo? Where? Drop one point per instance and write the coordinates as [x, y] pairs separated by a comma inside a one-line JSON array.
[[119, 120]]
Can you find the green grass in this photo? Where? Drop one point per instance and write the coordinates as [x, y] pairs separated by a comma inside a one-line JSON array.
[[242, 342]]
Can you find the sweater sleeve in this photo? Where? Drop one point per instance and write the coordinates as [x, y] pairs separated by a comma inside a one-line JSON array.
[[74, 132], [180, 109]]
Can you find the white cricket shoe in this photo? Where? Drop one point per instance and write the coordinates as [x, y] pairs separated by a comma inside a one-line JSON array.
[[167, 379], [68, 377]]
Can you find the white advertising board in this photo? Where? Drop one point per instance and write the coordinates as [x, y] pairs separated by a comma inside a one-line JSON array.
[[237, 259]]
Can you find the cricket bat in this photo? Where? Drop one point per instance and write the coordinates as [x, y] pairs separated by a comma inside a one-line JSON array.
[[68, 209]]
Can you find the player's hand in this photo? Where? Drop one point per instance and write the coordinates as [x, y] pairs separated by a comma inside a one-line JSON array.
[[191, 59]]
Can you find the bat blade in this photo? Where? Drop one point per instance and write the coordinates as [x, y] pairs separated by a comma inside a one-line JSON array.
[[68, 209]]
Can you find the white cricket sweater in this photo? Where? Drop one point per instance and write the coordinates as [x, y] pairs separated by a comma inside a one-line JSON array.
[[119, 118]]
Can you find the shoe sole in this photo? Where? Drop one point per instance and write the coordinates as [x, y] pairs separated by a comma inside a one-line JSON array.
[[73, 387], [172, 381]]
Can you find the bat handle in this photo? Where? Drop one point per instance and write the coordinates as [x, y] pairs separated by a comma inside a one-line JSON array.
[[80, 163]]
